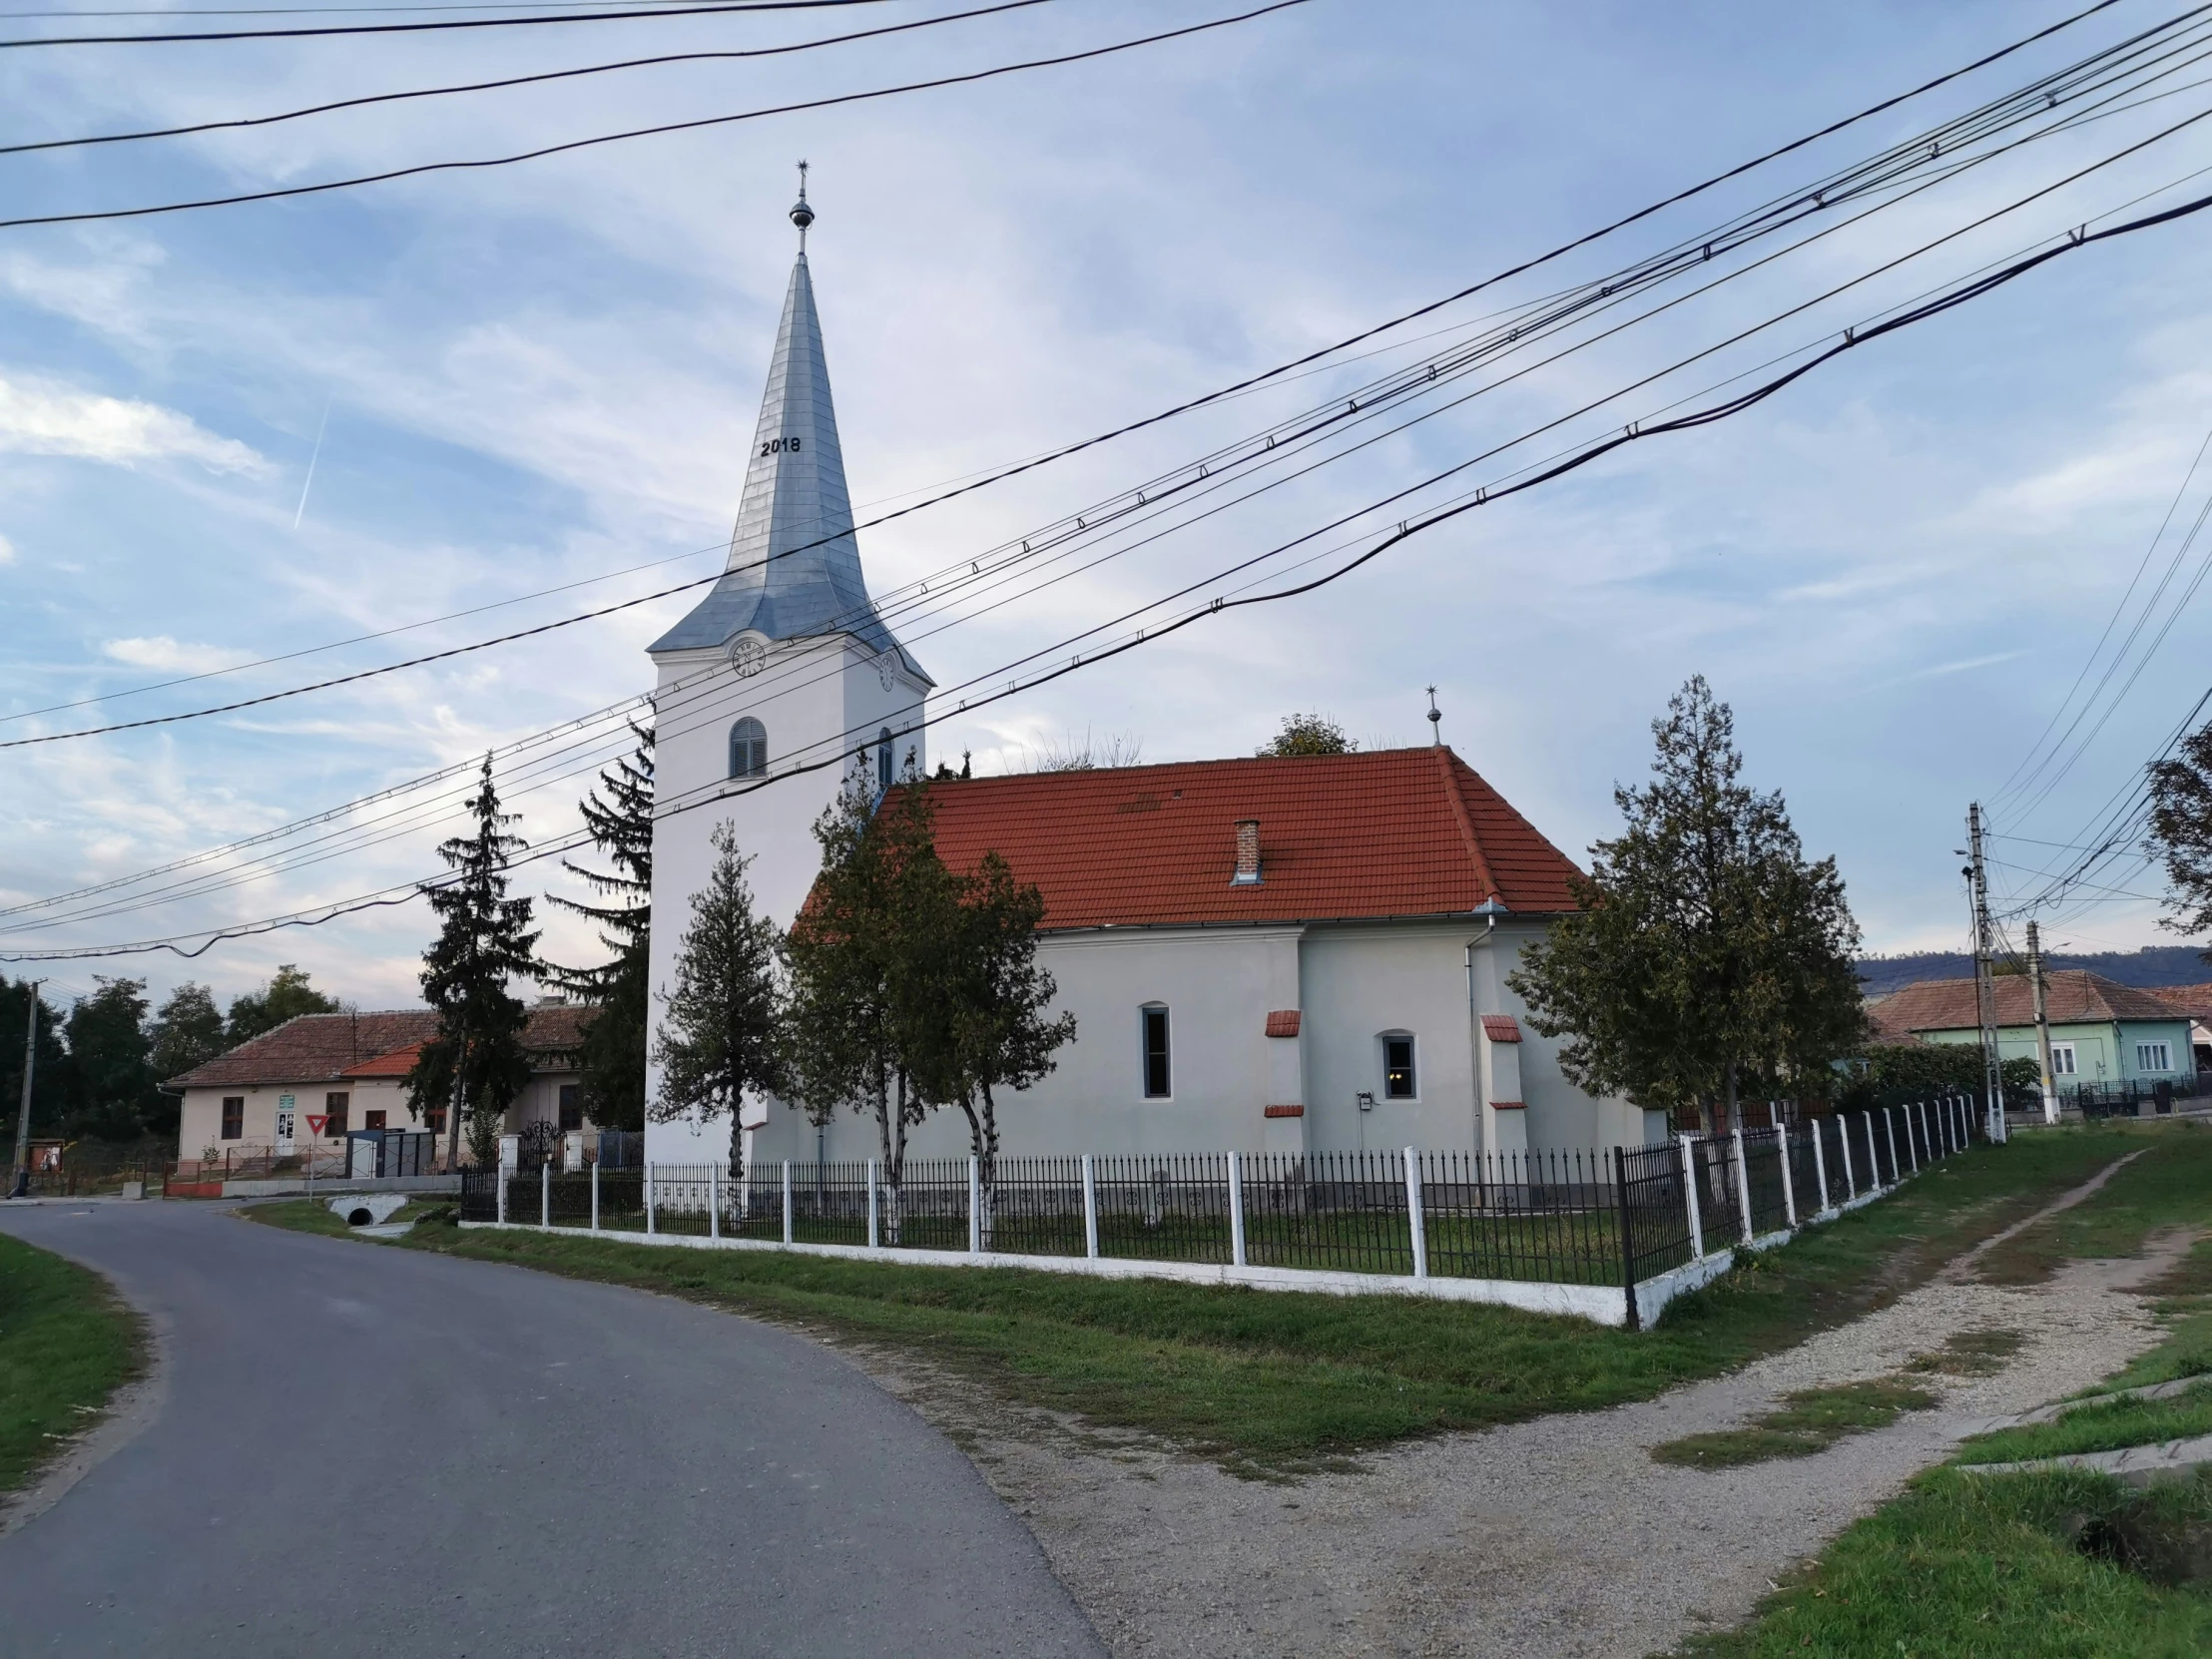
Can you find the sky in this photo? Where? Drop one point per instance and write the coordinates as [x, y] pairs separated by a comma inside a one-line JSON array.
[[237, 434]]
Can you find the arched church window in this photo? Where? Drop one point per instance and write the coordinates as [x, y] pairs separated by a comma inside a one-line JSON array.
[[747, 749], [883, 758]]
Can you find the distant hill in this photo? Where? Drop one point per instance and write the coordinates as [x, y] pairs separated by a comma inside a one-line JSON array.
[[2154, 965]]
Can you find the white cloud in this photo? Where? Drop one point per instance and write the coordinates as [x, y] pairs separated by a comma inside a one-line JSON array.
[[164, 654], [7, 551], [44, 417]]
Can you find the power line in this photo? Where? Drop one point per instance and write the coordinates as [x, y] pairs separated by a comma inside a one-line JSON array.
[[515, 81], [1311, 358], [455, 23], [286, 193]]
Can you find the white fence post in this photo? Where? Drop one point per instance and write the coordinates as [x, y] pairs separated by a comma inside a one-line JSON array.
[[1843, 1140], [714, 1200], [1912, 1151], [1090, 1208], [1689, 1191], [649, 1197], [1820, 1169], [1743, 1183], [502, 1190], [595, 1195], [974, 1206], [787, 1201], [1235, 1210], [1874, 1162], [1890, 1128], [545, 1193], [872, 1234], [1789, 1179], [1416, 1221]]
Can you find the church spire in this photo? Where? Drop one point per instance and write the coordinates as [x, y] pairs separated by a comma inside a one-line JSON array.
[[793, 569]]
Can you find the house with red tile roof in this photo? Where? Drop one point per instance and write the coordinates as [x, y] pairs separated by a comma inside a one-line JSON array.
[[2102, 1032], [347, 1070]]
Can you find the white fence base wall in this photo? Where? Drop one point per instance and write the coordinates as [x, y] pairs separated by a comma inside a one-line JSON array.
[[1603, 1304]]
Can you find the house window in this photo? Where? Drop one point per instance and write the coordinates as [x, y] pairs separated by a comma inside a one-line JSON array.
[[1155, 1028], [234, 1116], [883, 758], [334, 1105], [2061, 1060], [434, 1119], [1397, 1065], [572, 1107], [749, 749], [2154, 1057], [372, 1120]]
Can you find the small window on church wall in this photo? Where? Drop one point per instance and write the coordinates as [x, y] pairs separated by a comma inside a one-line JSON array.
[[883, 758], [747, 749], [1397, 1065], [1155, 1028]]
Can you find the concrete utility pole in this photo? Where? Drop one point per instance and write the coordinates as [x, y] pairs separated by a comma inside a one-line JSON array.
[[1984, 981], [22, 1182], [2042, 1023]]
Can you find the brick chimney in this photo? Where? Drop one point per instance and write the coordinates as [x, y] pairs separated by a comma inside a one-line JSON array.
[[1248, 854]]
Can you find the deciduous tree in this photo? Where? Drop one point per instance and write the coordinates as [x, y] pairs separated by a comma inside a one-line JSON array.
[[1707, 949], [476, 1060], [110, 1064], [186, 1032], [2181, 832], [1308, 734], [722, 1036], [285, 996]]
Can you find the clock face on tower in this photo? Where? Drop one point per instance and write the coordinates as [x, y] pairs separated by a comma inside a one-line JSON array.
[[747, 656]]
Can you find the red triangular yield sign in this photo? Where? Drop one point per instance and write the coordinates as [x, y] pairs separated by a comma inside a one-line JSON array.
[[315, 1123]]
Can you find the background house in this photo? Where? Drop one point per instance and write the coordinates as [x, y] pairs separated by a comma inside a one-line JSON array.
[[2101, 1033], [349, 1069], [2194, 1001]]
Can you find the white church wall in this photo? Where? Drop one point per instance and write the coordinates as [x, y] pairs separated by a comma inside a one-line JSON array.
[[806, 693], [1361, 983]]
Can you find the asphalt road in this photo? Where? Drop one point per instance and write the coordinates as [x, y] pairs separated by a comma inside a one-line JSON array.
[[373, 1452]]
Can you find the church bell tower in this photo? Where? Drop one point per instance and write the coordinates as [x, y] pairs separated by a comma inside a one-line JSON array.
[[784, 664]]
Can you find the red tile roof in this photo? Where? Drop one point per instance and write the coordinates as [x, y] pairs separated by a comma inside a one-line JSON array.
[[1502, 1029], [1391, 833], [2073, 996], [2193, 1000], [397, 1063], [1283, 1022], [316, 1048]]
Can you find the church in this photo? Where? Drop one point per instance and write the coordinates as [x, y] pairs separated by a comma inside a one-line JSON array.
[[1262, 954]]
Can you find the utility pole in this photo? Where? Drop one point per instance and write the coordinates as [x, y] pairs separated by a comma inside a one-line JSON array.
[[1984, 980], [2042, 1023], [21, 1185]]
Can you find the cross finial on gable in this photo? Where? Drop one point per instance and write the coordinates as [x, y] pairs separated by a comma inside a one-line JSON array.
[[801, 214]]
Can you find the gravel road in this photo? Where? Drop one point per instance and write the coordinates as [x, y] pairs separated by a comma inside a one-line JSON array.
[[1547, 1538]]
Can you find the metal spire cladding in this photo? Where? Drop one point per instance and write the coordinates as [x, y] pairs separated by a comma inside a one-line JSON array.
[[795, 566]]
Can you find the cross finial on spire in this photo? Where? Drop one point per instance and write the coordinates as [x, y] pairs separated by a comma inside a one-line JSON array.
[[1436, 719], [801, 214]]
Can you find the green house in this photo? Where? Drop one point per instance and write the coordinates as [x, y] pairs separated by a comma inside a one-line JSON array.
[[2101, 1033]]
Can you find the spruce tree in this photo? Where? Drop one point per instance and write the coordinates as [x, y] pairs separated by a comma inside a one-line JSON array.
[[619, 815], [1708, 952], [476, 1060], [722, 1036]]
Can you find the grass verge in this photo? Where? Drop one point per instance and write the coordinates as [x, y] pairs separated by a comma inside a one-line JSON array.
[[1267, 1380], [2059, 1563], [1810, 1421], [67, 1343]]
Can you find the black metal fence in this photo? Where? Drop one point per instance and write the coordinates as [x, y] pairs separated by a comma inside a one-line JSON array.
[[1617, 1218]]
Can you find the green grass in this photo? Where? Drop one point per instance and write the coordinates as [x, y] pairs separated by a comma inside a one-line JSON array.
[[2099, 1426], [1810, 1421], [1269, 1379], [2058, 1563], [67, 1343], [1972, 1566]]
